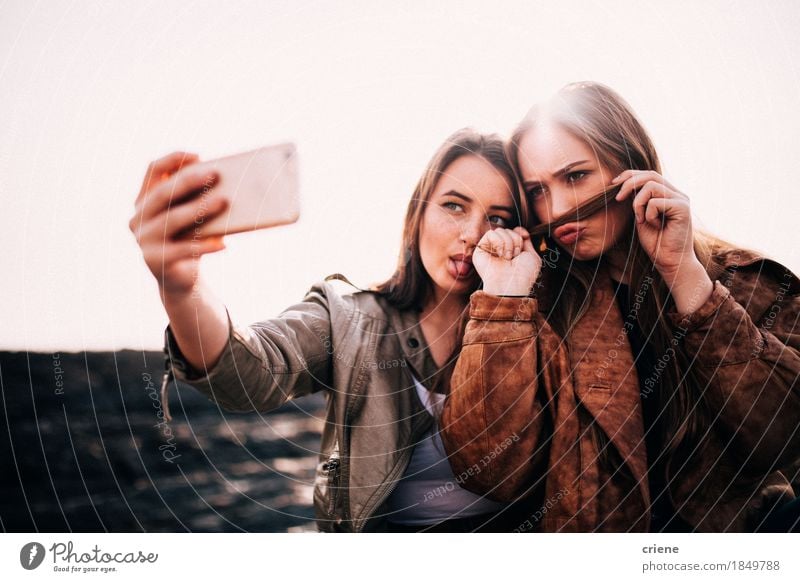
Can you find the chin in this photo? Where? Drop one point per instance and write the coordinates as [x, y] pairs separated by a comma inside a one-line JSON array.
[[581, 253], [450, 286], [462, 286]]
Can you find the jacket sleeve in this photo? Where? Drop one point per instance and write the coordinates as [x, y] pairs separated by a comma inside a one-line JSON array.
[[492, 418], [267, 363], [749, 348]]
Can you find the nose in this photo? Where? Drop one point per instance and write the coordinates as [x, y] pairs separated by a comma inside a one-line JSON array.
[[561, 203], [472, 229]]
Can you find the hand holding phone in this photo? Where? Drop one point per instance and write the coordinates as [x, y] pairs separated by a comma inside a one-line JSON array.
[[185, 207], [260, 187]]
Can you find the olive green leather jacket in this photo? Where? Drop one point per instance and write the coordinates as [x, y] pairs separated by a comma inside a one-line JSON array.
[[360, 351]]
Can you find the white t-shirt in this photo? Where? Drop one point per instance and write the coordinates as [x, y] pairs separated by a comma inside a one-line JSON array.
[[428, 492]]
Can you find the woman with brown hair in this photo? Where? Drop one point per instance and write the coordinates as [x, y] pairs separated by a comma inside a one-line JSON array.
[[647, 370], [378, 355]]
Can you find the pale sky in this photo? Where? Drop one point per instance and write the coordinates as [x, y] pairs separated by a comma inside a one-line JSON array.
[[90, 92]]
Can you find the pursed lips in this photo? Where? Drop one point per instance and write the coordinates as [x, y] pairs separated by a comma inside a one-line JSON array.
[[568, 233]]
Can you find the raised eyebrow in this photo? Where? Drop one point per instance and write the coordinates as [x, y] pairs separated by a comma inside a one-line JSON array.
[[569, 167]]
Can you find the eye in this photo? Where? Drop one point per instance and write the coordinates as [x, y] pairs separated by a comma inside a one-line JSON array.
[[453, 206], [574, 177], [535, 192], [500, 221]]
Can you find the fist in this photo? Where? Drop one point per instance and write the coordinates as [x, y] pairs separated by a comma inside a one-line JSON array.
[[506, 262]]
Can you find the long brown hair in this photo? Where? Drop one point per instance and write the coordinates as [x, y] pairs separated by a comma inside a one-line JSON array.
[[598, 116], [410, 286]]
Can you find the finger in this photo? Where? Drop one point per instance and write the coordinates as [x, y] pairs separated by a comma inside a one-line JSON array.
[[498, 244], [192, 214], [492, 243], [641, 175], [180, 185], [516, 242], [637, 178], [631, 181], [508, 243], [648, 191], [659, 210], [193, 248], [168, 165], [484, 244], [523, 232], [652, 213], [181, 219], [628, 185]]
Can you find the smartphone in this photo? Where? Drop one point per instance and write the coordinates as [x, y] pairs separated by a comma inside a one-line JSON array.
[[261, 187]]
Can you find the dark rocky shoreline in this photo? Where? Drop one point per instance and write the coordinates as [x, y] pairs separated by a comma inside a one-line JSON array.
[[88, 452], [83, 449]]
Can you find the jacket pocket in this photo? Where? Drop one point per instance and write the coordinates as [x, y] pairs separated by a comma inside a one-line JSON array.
[[598, 386]]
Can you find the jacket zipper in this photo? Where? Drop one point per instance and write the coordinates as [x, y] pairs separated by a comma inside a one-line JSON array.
[[332, 466], [165, 380]]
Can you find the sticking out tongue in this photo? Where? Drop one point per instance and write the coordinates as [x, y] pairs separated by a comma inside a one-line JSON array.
[[463, 268]]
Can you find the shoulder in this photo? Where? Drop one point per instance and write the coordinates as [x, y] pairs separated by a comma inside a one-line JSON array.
[[753, 278], [755, 266], [342, 297]]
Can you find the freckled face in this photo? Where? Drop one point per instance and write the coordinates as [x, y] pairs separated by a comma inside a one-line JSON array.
[[559, 172], [471, 197]]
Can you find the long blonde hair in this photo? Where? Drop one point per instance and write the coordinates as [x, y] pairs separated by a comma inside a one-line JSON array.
[[598, 116]]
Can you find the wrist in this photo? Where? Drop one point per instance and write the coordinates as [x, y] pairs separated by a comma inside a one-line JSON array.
[[518, 284], [508, 289], [689, 285], [178, 295], [674, 275]]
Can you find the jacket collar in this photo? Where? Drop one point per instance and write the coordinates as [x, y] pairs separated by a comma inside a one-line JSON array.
[[409, 334], [413, 344]]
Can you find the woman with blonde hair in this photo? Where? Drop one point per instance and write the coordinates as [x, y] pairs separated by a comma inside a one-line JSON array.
[[648, 370]]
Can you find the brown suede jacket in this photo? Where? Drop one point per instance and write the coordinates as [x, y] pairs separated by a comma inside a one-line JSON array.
[[522, 398]]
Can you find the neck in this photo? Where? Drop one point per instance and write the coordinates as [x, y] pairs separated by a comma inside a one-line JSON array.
[[444, 307], [619, 267], [440, 322]]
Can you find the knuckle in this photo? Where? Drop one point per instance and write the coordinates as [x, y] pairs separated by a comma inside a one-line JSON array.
[[182, 180], [172, 157]]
